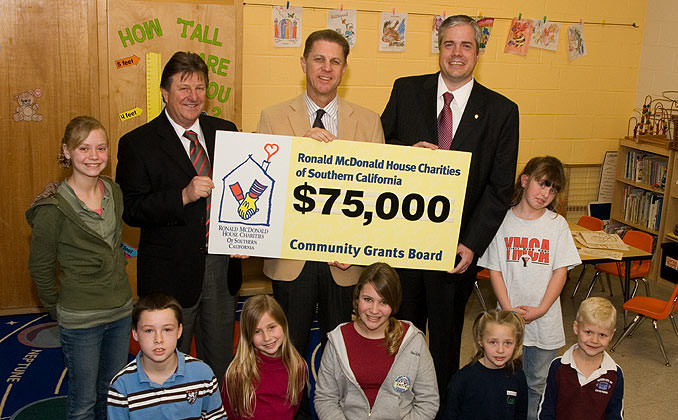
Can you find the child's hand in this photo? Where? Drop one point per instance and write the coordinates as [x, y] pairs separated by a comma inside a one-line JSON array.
[[530, 313], [520, 311], [517, 310]]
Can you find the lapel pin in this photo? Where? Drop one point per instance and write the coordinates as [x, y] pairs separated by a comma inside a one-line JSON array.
[[475, 116]]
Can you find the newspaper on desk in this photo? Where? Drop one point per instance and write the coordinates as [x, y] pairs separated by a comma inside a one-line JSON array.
[[598, 244], [593, 253]]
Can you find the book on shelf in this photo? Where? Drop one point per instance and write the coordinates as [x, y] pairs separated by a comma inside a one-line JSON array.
[[642, 207], [646, 168]]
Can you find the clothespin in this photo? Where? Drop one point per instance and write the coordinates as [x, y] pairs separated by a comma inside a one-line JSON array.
[[394, 11], [341, 7], [480, 15], [288, 4], [580, 22], [520, 16], [603, 22], [443, 15], [544, 19]]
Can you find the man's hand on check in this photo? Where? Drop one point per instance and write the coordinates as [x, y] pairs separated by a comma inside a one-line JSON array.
[[425, 145], [466, 258], [339, 265], [320, 134]]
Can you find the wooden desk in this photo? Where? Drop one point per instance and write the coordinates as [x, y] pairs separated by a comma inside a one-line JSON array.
[[632, 254]]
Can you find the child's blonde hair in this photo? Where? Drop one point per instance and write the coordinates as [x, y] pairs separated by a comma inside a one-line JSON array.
[[243, 373], [598, 311], [76, 132], [386, 283], [545, 168], [504, 318]]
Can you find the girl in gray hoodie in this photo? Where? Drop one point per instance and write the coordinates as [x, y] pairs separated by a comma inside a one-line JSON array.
[[376, 366]]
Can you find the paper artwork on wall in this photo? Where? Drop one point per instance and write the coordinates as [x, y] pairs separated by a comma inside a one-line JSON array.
[[344, 22], [575, 41], [437, 20], [486, 25], [518, 38], [392, 31], [287, 26], [27, 108], [545, 34]]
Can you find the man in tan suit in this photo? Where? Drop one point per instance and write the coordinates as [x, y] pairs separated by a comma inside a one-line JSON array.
[[320, 114]]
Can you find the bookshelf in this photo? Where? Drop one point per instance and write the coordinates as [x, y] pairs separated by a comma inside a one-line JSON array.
[[671, 215], [645, 194], [640, 184]]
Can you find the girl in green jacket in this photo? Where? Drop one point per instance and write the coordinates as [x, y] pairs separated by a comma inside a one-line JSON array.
[[75, 241]]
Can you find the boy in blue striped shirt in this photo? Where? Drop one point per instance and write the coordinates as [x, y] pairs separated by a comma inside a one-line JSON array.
[[162, 382]]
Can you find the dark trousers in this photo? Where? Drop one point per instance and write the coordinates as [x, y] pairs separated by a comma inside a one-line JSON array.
[[298, 298], [211, 319], [439, 298]]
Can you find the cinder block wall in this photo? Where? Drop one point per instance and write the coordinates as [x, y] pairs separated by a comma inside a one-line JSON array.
[[659, 58], [573, 110]]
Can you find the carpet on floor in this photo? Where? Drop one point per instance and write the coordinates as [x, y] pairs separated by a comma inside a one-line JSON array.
[[35, 380]]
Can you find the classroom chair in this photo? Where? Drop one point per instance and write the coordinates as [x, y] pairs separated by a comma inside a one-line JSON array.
[[483, 274], [639, 269], [655, 309], [590, 223]]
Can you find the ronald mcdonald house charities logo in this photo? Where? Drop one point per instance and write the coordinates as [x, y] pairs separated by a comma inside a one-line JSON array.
[[253, 205]]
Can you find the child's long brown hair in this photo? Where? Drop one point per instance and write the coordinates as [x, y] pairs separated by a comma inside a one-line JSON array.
[[507, 318], [545, 168], [386, 283], [242, 374]]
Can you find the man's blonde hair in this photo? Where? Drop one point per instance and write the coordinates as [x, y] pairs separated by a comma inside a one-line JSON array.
[[598, 311]]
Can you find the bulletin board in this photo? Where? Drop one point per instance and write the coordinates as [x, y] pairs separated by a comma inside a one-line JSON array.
[[137, 28]]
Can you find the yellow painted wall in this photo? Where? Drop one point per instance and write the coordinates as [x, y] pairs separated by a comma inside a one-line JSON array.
[[573, 110], [658, 66]]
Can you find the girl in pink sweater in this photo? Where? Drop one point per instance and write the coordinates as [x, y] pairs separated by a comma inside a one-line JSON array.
[[266, 379]]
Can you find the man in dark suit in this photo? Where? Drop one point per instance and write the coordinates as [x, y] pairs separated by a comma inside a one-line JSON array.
[[166, 181], [477, 120]]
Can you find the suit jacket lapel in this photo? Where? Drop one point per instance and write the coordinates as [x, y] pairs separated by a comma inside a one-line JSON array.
[[429, 97], [210, 136], [468, 129], [298, 117], [347, 126], [172, 145]]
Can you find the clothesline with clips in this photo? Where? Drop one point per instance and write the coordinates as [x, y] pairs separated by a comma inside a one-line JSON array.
[[602, 22]]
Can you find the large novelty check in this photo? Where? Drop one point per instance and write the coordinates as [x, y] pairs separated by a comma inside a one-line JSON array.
[[346, 201]]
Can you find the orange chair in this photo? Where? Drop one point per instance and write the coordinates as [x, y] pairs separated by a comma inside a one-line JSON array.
[[484, 274], [655, 309], [639, 269], [590, 223]]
